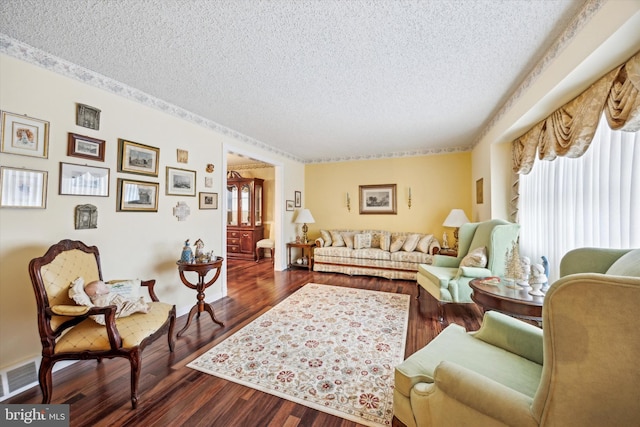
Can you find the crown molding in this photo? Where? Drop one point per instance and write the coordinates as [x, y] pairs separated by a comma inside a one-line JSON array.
[[35, 56]]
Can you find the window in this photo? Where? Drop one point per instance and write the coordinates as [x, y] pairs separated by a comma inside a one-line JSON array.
[[593, 200]]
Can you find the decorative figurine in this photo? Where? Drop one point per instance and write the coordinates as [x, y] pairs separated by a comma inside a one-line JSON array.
[[187, 253], [200, 255], [445, 241], [538, 280]]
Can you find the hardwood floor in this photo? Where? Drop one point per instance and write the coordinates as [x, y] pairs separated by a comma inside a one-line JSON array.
[[172, 394]]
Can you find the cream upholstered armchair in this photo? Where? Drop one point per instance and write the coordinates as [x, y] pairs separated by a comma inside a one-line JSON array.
[[580, 370], [448, 281], [66, 330]]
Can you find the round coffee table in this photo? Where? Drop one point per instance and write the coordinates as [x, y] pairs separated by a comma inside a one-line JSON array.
[[515, 302]]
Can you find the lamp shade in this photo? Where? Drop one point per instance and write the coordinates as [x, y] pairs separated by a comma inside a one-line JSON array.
[[304, 217], [455, 219]]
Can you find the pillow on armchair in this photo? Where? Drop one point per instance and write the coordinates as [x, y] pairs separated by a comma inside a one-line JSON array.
[[475, 258]]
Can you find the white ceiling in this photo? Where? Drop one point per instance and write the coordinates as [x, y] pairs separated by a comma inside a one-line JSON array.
[[320, 80]]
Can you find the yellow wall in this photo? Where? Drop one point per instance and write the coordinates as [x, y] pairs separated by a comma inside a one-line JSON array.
[[438, 184]]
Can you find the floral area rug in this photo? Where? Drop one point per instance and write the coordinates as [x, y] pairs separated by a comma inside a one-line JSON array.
[[330, 348]]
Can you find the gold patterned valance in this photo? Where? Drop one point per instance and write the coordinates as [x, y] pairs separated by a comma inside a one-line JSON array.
[[569, 130]]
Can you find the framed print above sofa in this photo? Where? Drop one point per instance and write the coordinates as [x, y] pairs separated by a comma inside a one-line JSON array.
[[378, 199]]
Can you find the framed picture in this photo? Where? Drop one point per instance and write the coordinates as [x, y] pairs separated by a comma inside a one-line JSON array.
[[181, 182], [88, 117], [290, 205], [137, 196], [24, 135], [86, 217], [137, 158], [183, 156], [208, 200], [23, 188], [79, 180], [298, 199], [85, 147], [480, 191], [378, 199]]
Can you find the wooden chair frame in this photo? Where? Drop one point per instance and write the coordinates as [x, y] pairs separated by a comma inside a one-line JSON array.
[[49, 336]]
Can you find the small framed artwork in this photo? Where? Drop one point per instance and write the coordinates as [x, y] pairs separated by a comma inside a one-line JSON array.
[[137, 196], [298, 199], [208, 182], [137, 158], [181, 182], [290, 205], [480, 191], [208, 200], [88, 117], [378, 199], [86, 217], [24, 135], [82, 180], [23, 188], [85, 147], [183, 156]]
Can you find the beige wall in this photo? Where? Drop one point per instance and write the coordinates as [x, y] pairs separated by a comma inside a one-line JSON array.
[[438, 184], [132, 245]]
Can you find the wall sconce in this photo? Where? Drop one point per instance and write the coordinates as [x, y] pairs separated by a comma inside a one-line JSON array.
[[409, 197], [348, 202]]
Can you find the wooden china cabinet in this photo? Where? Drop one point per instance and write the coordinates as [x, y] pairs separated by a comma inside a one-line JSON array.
[[245, 210]]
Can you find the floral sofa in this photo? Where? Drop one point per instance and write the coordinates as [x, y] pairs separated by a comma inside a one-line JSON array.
[[374, 252]]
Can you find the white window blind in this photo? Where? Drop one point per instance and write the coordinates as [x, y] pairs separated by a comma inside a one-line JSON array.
[[591, 201]]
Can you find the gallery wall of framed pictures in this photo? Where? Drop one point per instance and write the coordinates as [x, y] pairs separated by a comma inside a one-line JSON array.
[[24, 135]]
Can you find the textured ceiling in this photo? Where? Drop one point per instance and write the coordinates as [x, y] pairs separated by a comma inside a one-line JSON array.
[[320, 80]]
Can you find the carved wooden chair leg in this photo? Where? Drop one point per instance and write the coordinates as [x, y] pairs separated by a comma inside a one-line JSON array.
[[134, 359], [418, 285], [46, 381], [170, 337]]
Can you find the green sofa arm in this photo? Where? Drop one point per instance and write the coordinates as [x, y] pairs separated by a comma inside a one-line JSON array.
[[459, 385], [512, 335], [589, 260]]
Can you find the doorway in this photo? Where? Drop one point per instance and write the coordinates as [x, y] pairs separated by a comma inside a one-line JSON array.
[[262, 173]]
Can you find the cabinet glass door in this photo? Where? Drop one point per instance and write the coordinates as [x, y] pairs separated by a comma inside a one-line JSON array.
[[232, 205], [245, 205], [258, 191]]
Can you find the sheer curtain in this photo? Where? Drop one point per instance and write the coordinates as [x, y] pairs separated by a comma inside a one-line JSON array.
[[593, 200]]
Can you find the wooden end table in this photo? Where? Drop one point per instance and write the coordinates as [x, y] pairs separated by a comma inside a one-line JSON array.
[[305, 248], [515, 302], [202, 269]]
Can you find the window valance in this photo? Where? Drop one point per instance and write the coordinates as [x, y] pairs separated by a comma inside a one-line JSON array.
[[568, 131]]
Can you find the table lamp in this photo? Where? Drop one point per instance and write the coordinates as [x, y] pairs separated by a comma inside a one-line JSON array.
[[304, 217], [455, 219]]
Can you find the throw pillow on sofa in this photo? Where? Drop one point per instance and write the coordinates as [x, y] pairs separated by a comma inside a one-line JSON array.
[[337, 239], [385, 242], [424, 243], [396, 242], [362, 241], [326, 237], [348, 239], [475, 258], [411, 242]]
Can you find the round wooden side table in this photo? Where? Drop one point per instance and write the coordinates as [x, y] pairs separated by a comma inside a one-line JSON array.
[[201, 269], [515, 302]]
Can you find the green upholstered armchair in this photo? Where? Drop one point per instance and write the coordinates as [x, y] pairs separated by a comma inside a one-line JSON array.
[[447, 281], [580, 370]]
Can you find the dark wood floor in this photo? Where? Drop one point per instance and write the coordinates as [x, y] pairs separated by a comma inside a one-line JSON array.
[[172, 394]]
